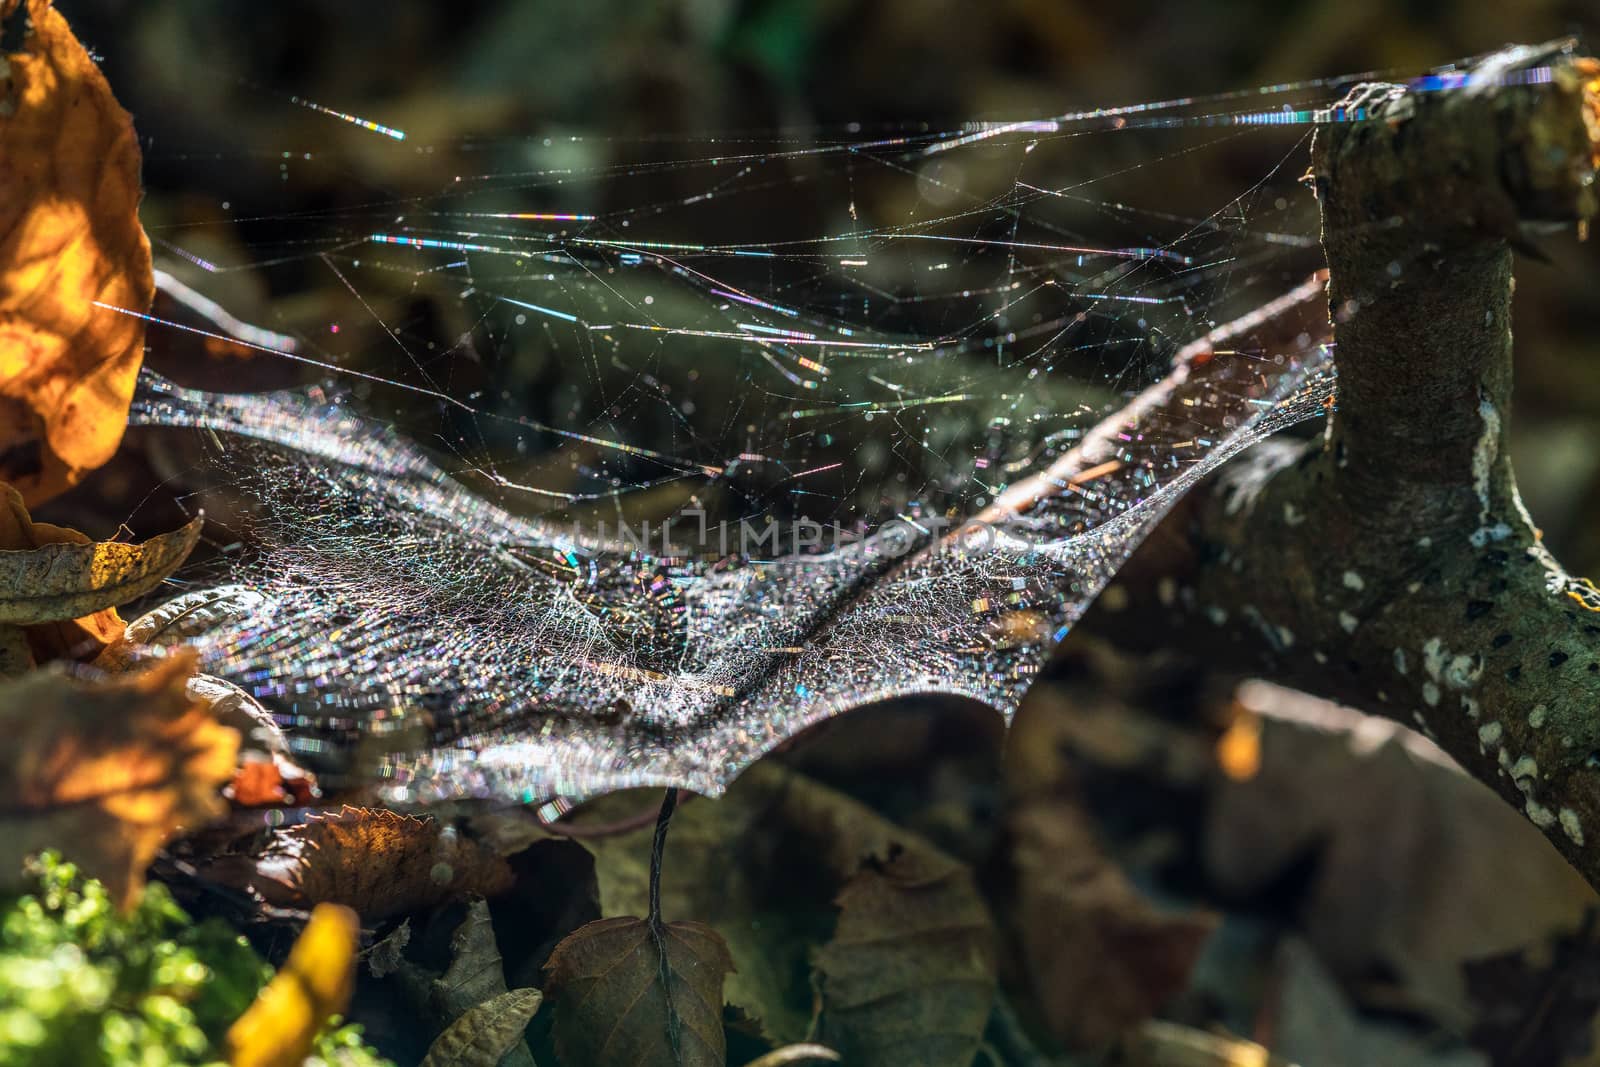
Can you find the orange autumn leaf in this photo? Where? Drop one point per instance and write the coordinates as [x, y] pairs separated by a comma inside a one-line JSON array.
[[106, 770], [381, 863], [69, 237]]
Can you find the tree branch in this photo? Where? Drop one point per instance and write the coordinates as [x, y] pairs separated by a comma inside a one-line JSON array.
[[1391, 564]]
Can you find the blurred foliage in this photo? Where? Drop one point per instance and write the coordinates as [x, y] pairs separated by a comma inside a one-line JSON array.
[[82, 984]]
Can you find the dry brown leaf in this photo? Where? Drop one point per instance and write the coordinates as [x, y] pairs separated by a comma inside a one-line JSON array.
[[107, 770], [69, 238], [1415, 861], [784, 846], [909, 975], [379, 862], [313, 985], [611, 1006], [1098, 956], [1092, 956], [487, 1032]]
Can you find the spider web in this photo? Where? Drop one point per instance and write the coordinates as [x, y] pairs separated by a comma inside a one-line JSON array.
[[635, 505]]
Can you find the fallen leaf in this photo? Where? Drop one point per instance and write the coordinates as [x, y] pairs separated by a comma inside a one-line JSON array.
[[1414, 861], [386, 956], [178, 620], [620, 997], [1098, 957], [106, 770], [1314, 1025], [474, 974], [313, 985], [909, 975], [70, 240], [487, 1032], [379, 862], [257, 784], [73, 577], [1091, 956], [783, 847], [61, 589]]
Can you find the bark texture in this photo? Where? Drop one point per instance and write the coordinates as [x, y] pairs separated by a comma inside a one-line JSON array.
[[1391, 564]]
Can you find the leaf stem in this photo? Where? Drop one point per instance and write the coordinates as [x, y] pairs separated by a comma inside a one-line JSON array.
[[658, 928]]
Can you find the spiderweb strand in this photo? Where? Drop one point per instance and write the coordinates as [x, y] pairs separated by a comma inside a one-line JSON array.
[[396, 599], [450, 631]]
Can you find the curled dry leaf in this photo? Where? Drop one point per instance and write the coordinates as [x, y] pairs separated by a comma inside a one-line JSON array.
[[487, 1032], [474, 975], [107, 770], [70, 241], [63, 588], [313, 985], [379, 862], [618, 1001], [71, 578]]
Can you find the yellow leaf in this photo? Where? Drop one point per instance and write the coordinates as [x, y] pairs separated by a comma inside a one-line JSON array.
[[70, 240], [107, 770], [58, 575], [313, 985]]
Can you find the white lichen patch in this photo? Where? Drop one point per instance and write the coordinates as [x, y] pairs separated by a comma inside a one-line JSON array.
[[1348, 622], [1352, 580], [1571, 825], [1400, 660], [1293, 516], [1433, 655], [1486, 535], [1461, 672], [1489, 734], [1469, 706], [1525, 768], [1538, 814], [1536, 717], [1430, 694], [1483, 457]]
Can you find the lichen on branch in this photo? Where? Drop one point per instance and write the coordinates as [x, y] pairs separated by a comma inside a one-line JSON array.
[[1390, 563]]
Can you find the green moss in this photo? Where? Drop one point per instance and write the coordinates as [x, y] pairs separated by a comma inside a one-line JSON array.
[[83, 985]]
